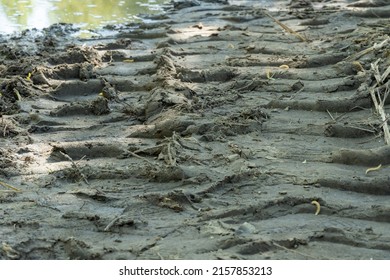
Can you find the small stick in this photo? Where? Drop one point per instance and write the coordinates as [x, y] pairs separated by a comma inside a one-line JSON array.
[[9, 186], [385, 95], [5, 130], [191, 203], [17, 94], [385, 74], [379, 106], [75, 166], [285, 27], [289, 250], [377, 75], [110, 224], [161, 257], [330, 115], [137, 156], [361, 128], [382, 113], [171, 160], [370, 49]]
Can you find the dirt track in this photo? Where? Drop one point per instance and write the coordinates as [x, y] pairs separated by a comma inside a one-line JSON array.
[[203, 134]]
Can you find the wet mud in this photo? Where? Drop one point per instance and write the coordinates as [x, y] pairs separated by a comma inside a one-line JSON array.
[[204, 133]]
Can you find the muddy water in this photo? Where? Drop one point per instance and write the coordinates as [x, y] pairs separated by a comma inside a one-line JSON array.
[[22, 14]]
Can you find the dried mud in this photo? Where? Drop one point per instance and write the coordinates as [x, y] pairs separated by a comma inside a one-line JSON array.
[[204, 133]]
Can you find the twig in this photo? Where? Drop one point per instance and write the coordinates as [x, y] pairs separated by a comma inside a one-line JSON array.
[[380, 110], [370, 139], [75, 166], [191, 203], [292, 251], [379, 105], [385, 74], [5, 130], [110, 224], [377, 75], [361, 128], [137, 156], [368, 50], [330, 115], [17, 94], [342, 115], [161, 257], [285, 27], [9, 186], [172, 161]]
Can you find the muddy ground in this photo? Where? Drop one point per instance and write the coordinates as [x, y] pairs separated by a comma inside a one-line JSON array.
[[203, 133]]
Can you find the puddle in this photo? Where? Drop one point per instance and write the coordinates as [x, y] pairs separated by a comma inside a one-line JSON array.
[[22, 14]]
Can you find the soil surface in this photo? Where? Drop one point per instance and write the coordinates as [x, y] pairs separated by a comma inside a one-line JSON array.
[[205, 133]]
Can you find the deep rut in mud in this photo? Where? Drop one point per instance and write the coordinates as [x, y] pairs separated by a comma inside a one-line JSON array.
[[203, 134]]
